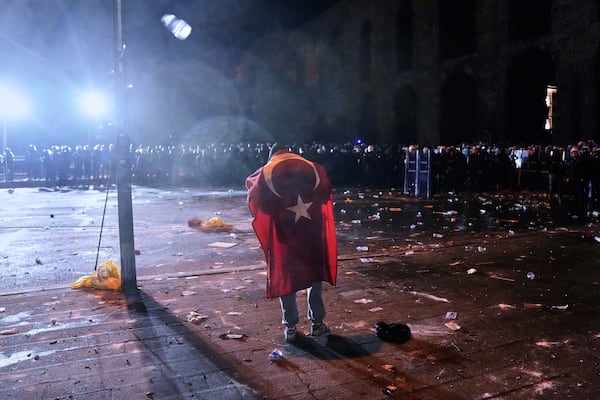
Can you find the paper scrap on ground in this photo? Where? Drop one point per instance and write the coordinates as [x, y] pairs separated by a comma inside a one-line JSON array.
[[453, 325], [195, 317], [430, 296], [506, 306], [363, 301], [222, 245], [237, 336], [451, 315]]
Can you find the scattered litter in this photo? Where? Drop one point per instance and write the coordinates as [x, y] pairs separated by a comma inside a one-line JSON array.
[[453, 325], [239, 287], [362, 248], [188, 293], [356, 221], [545, 343], [235, 336], [409, 253], [363, 301], [511, 233], [530, 276], [455, 263], [38, 261], [506, 306], [481, 249], [471, 271], [451, 315], [9, 332], [495, 276], [368, 260], [389, 389], [562, 307], [195, 223], [375, 309], [393, 332], [275, 355], [2, 309], [438, 235], [106, 276], [195, 317], [214, 224], [532, 305], [236, 313], [222, 245], [430, 296], [389, 368]]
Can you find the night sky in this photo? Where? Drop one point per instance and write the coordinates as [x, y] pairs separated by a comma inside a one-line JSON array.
[[51, 51]]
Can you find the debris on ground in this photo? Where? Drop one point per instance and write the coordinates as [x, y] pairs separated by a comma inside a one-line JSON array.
[[453, 325], [214, 224], [395, 332], [195, 317], [275, 355], [389, 389], [106, 276], [222, 245], [451, 315], [234, 336]]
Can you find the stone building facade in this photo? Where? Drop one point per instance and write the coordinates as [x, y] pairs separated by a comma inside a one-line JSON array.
[[434, 72]]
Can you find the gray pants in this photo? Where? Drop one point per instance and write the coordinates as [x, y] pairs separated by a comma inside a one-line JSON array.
[[316, 308]]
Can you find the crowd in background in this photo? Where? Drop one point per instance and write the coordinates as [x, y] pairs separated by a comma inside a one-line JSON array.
[[573, 170]]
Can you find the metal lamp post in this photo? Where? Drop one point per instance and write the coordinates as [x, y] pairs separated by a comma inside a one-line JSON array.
[[122, 159]]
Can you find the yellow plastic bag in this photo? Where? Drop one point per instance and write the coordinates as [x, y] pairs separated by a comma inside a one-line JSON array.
[[106, 276]]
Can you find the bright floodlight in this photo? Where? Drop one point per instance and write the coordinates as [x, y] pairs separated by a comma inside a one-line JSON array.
[[178, 27], [13, 103], [94, 104]]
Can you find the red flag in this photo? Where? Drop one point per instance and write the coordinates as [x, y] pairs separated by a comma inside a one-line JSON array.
[[292, 205]]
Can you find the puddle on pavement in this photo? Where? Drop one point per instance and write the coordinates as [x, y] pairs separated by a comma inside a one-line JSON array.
[[21, 356]]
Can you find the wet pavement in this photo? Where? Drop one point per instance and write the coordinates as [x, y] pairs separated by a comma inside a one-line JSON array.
[[501, 294]]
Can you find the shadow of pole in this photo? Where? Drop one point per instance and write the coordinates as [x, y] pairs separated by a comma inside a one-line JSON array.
[[150, 320]]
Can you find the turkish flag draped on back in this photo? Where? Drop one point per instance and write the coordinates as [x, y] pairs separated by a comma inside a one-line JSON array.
[[291, 202]]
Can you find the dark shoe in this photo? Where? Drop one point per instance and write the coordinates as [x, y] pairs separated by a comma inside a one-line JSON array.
[[290, 334], [319, 329]]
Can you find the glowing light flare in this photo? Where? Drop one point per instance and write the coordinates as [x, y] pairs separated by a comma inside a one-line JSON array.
[[13, 103], [94, 104]]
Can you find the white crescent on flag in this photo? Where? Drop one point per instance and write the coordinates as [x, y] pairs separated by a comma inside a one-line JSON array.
[[268, 169]]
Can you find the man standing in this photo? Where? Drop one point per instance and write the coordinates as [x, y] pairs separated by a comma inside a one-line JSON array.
[[291, 201]]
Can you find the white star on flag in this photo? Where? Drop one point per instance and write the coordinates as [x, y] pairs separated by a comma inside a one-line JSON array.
[[300, 209]]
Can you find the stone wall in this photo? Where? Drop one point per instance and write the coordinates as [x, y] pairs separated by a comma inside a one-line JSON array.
[[482, 95]]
